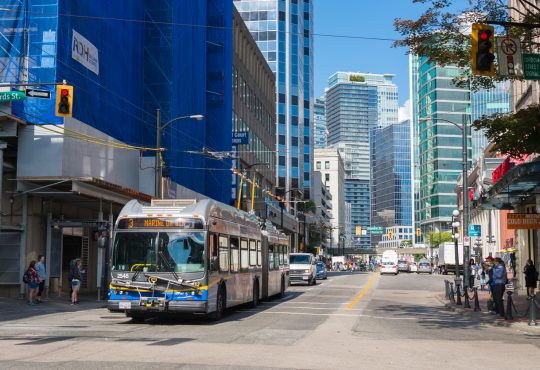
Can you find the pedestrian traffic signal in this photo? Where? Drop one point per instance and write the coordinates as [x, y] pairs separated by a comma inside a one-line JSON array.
[[358, 230], [64, 101], [482, 51], [390, 234], [418, 231]]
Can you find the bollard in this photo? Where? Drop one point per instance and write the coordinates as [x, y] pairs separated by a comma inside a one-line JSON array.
[[476, 301], [458, 295], [446, 289], [467, 304], [451, 296], [532, 311], [508, 314]]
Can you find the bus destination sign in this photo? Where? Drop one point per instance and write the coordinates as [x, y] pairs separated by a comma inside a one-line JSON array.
[[160, 223]]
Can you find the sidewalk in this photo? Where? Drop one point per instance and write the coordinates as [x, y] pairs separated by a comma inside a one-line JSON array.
[[15, 309], [519, 298]]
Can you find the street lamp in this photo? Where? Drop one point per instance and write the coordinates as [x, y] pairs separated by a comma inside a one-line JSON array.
[[244, 172], [159, 130], [455, 234], [464, 131]]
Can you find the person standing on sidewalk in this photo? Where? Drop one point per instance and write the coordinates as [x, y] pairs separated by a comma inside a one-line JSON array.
[[32, 279], [531, 276], [40, 268], [75, 275], [472, 274], [500, 280]]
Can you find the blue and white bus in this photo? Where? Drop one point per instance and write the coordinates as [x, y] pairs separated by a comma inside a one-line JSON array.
[[186, 256]]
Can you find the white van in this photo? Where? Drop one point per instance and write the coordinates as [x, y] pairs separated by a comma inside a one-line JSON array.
[[303, 268]]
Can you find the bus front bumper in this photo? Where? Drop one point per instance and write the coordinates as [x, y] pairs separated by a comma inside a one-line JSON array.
[[157, 306]]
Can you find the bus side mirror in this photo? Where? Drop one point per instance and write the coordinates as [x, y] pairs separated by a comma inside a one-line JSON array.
[[214, 263]]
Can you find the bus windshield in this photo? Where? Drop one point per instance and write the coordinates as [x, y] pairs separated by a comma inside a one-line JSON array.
[[159, 251]]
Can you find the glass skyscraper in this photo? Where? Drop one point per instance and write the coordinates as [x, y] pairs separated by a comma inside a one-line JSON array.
[[283, 31], [438, 102], [319, 123], [356, 103], [391, 177]]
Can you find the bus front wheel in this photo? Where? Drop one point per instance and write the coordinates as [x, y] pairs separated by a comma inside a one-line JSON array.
[[221, 302]]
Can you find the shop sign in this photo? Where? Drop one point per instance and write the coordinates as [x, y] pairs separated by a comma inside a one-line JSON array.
[[523, 221]]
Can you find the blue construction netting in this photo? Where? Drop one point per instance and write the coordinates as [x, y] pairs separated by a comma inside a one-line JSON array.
[[175, 55]]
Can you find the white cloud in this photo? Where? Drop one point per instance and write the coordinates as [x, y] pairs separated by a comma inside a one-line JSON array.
[[404, 112]]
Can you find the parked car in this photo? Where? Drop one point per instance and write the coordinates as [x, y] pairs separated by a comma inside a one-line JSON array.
[[403, 266], [321, 271], [413, 267], [389, 267], [424, 266]]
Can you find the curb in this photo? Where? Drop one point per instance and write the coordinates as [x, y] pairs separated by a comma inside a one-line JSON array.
[[484, 318]]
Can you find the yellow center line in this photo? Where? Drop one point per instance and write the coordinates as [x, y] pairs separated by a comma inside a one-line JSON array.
[[366, 288]]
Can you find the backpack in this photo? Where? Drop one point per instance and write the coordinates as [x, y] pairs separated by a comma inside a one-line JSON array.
[[26, 277]]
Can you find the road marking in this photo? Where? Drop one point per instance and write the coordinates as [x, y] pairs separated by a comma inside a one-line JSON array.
[[366, 288], [345, 315]]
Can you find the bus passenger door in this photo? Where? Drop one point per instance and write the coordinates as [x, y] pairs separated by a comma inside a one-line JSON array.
[[264, 287]]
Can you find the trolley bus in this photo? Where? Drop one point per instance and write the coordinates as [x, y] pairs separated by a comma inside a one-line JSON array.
[[200, 257]]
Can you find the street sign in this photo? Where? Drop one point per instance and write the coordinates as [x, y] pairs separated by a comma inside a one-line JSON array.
[[375, 229], [33, 93], [531, 66], [475, 231], [509, 56], [240, 138], [466, 241], [8, 96]]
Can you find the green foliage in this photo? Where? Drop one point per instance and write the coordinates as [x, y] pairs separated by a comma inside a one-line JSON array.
[[418, 257], [514, 134], [406, 243], [307, 207], [437, 238], [357, 78], [442, 35]]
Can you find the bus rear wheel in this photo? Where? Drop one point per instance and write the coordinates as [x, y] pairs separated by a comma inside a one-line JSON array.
[[282, 288]]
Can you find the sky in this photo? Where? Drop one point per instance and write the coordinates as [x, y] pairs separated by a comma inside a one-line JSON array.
[[369, 18]]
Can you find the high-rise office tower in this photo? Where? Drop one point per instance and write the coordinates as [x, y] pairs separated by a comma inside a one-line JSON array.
[[442, 108], [356, 103], [320, 133], [391, 177], [283, 31]]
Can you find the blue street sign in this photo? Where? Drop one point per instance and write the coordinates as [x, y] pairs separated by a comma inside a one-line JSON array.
[[240, 138], [475, 231]]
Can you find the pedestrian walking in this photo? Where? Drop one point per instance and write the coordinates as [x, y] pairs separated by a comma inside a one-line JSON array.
[[482, 274], [40, 268], [531, 276], [500, 280], [31, 277], [75, 275], [472, 274]]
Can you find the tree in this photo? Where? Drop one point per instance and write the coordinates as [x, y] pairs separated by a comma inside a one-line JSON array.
[[307, 207], [514, 134], [442, 34], [437, 238]]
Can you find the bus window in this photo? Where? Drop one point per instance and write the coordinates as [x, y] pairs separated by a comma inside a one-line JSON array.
[[244, 256], [286, 251], [223, 253], [276, 257], [212, 245], [235, 256], [281, 259], [259, 254], [271, 256], [252, 253]]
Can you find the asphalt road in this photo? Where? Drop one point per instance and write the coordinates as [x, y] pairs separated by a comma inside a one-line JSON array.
[[359, 320]]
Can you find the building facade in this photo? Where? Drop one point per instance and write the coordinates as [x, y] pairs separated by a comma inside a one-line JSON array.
[[254, 111], [442, 108], [320, 133], [391, 185], [68, 177], [356, 103], [329, 164], [283, 30]]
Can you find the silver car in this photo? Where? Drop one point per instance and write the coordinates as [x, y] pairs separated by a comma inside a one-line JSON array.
[[403, 265], [424, 266]]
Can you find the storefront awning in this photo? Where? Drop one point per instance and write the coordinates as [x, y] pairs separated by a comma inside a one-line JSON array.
[[515, 186], [87, 187]]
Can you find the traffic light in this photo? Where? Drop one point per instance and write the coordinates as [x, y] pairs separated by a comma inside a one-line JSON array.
[[418, 231], [390, 234], [358, 230], [482, 51], [64, 101]]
